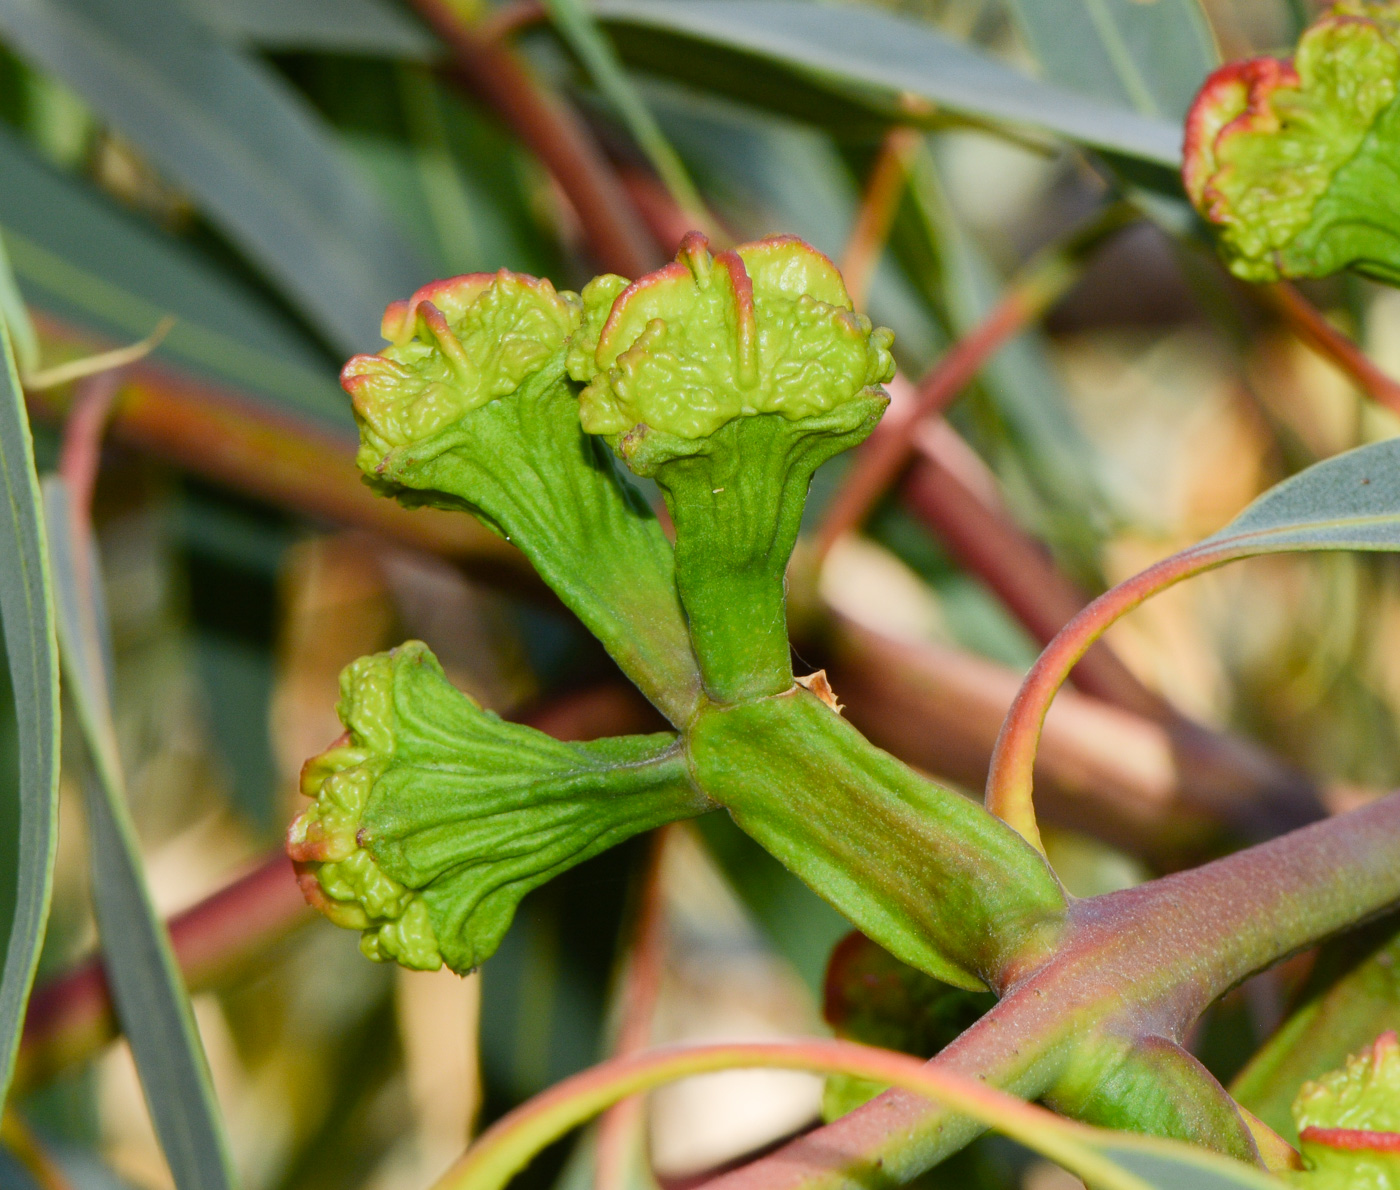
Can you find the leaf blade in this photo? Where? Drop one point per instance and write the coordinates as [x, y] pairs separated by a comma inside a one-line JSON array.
[[222, 124], [872, 49], [147, 990], [26, 606], [1348, 502], [1151, 57]]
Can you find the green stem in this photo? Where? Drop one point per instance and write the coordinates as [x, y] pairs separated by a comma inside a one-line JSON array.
[[926, 873], [528, 470], [1140, 963]]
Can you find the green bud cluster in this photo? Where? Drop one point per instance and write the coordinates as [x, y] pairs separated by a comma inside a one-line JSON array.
[[1296, 162], [728, 379], [454, 346]]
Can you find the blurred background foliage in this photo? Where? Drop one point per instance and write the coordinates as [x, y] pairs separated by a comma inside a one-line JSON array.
[[272, 172]]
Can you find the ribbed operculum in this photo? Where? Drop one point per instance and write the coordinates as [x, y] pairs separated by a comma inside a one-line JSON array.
[[765, 328], [1295, 161], [454, 346]]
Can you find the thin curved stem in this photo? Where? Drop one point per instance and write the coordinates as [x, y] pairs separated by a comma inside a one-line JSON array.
[[1011, 777], [509, 1144]]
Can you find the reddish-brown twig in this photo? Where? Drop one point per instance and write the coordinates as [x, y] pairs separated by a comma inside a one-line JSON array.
[[876, 213], [1040, 283], [492, 71], [983, 538], [879, 461], [1307, 322]]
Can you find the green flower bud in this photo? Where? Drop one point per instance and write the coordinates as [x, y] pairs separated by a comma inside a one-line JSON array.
[[1297, 163], [432, 817], [729, 380], [469, 408], [1349, 1123]]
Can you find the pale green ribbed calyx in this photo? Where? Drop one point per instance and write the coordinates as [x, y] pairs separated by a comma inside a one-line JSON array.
[[453, 346], [431, 817]]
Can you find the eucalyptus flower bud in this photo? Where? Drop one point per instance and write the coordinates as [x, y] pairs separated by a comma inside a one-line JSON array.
[[431, 817], [1297, 162], [729, 380], [469, 408], [1349, 1123]]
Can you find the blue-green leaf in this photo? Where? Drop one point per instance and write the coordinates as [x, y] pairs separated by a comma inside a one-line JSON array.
[[84, 261], [29, 787], [1149, 57], [221, 124], [873, 50], [338, 26], [149, 995], [1348, 502]]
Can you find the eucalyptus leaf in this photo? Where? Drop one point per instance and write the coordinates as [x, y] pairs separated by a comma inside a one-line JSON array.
[[81, 259], [140, 966], [873, 50], [1348, 502], [1175, 1166], [29, 791], [222, 125], [15, 316], [1149, 57], [370, 27]]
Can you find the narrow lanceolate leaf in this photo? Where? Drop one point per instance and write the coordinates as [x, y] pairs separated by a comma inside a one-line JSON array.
[[151, 1001], [29, 778], [80, 258], [223, 126], [371, 27], [1349, 502], [869, 49], [1149, 57], [15, 315]]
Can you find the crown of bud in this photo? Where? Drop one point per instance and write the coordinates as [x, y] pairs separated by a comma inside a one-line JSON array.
[[453, 346], [1289, 158], [764, 328], [431, 817]]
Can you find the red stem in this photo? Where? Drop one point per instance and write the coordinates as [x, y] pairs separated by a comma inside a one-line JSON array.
[[1308, 324], [883, 189], [492, 71], [1144, 962], [983, 538], [1010, 779], [879, 461], [80, 457]]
